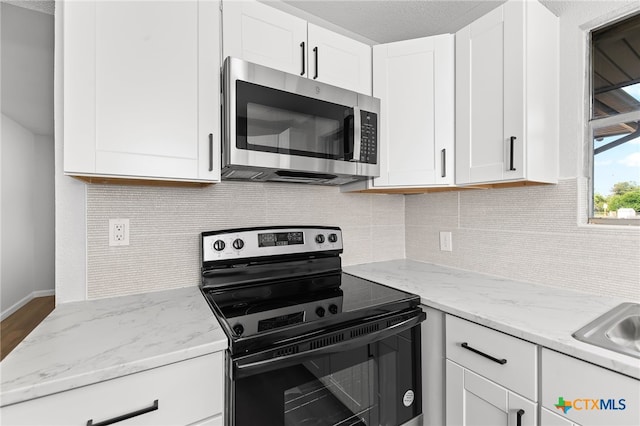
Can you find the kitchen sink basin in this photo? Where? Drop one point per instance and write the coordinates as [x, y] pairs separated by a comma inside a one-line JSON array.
[[617, 330]]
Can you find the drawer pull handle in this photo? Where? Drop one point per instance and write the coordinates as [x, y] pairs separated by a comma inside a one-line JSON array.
[[519, 415], [113, 420], [499, 361]]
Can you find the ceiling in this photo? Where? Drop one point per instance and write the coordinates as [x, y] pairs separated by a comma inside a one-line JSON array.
[[388, 21], [27, 67]]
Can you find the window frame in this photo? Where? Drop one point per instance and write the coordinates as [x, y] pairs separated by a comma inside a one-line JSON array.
[[594, 124]]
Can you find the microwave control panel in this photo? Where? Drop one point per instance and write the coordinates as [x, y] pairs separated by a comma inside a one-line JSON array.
[[368, 137]]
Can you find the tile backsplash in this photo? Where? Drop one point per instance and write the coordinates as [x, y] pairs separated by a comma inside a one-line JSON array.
[[528, 234], [165, 226]]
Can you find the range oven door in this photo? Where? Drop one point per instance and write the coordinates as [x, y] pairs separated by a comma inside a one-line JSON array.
[[274, 120], [373, 378]]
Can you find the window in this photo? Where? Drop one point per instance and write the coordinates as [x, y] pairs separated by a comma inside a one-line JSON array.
[[615, 122]]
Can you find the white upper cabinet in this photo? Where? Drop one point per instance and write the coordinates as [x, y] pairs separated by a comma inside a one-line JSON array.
[[507, 96], [338, 60], [263, 35], [141, 90], [266, 36], [414, 80]]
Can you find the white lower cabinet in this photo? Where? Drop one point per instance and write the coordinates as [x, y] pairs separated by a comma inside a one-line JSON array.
[[190, 392], [548, 418], [212, 421], [592, 395], [491, 377], [474, 400]]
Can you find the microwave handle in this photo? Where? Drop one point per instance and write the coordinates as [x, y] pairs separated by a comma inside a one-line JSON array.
[[357, 134]]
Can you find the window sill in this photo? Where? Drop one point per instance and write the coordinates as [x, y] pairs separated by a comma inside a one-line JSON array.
[[614, 221]]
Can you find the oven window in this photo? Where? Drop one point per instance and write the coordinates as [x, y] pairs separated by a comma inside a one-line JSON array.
[[376, 384], [274, 121]]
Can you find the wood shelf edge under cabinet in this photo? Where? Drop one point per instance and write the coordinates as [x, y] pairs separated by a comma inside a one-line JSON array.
[[427, 190], [102, 180]]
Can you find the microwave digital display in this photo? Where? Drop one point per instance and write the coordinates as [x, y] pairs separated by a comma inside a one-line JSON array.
[[280, 239]]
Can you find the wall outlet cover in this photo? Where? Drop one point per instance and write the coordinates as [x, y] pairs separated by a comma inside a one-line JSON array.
[[118, 232], [445, 241]]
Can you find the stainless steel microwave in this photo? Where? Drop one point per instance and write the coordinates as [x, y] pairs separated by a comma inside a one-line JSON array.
[[287, 128]]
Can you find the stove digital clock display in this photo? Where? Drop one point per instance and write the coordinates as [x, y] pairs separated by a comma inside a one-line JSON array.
[[280, 239]]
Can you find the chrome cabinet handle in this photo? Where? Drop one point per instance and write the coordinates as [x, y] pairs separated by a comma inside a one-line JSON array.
[[303, 61], [315, 52], [443, 158], [117, 419], [519, 415], [467, 347], [512, 141]]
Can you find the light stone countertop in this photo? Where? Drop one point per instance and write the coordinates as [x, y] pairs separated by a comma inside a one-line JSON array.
[[82, 343], [543, 315]]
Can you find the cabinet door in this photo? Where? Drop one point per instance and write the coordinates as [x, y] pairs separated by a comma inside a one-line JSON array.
[[338, 60], [548, 418], [473, 400], [489, 97], [594, 396], [263, 35], [185, 392], [414, 81], [133, 74]]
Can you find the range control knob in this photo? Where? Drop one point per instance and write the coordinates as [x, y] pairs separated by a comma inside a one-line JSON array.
[[320, 311], [333, 238], [333, 309], [218, 245], [238, 244], [238, 329], [319, 238]]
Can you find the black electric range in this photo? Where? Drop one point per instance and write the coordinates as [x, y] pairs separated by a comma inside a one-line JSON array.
[[308, 343]]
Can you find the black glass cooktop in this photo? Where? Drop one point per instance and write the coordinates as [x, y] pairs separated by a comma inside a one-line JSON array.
[[276, 310]]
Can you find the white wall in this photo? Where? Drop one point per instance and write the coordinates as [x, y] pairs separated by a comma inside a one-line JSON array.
[[27, 216], [70, 204], [27, 219], [539, 234]]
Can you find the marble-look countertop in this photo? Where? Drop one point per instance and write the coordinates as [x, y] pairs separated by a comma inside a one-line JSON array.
[[543, 315], [82, 343]]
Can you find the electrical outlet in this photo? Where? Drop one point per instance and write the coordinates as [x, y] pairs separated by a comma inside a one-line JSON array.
[[119, 232], [445, 241]]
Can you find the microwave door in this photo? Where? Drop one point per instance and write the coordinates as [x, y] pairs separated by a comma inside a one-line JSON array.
[[279, 122]]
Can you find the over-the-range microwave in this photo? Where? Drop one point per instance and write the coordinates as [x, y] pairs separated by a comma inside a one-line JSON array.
[[286, 128]]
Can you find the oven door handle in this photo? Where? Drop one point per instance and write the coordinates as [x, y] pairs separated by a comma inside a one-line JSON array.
[[245, 368]]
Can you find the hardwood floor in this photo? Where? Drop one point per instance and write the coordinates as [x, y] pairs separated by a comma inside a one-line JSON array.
[[18, 325]]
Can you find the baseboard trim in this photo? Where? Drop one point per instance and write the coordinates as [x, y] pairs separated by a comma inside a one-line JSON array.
[[28, 298]]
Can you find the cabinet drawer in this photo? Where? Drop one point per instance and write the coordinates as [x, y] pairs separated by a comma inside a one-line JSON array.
[[593, 396], [518, 373], [186, 392]]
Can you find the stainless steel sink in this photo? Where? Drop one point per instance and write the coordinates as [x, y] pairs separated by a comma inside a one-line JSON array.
[[617, 330]]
